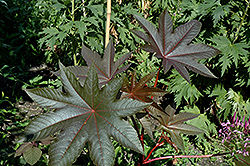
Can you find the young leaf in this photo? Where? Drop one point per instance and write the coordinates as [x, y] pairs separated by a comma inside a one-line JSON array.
[[174, 124], [25, 146], [84, 114], [174, 47], [138, 90], [32, 155]]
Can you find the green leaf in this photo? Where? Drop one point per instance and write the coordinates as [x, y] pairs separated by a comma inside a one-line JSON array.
[[226, 63], [84, 114], [58, 6], [32, 155], [81, 26], [67, 27], [182, 89], [218, 13], [227, 100], [231, 53], [50, 37], [93, 21], [97, 10], [61, 36], [122, 31]]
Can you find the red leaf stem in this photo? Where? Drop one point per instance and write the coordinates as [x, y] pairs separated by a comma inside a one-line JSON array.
[[157, 145], [157, 77], [156, 80], [185, 156], [170, 142]]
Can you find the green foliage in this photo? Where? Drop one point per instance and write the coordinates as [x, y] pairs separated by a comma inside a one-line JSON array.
[[229, 102], [231, 53], [18, 30], [182, 89], [69, 24], [203, 8], [146, 63], [64, 29]]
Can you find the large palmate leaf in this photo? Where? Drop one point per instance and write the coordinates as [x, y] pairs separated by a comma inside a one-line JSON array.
[[105, 66], [79, 71], [174, 124], [84, 114], [138, 90], [174, 47]]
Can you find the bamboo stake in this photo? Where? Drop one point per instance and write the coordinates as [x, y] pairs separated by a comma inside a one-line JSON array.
[[108, 22]]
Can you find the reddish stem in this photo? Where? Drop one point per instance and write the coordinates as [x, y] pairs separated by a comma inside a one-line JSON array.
[[157, 77], [242, 160], [142, 142], [169, 141], [156, 80], [157, 145], [184, 156]]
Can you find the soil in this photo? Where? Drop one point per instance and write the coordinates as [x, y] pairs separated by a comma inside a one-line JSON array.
[[28, 110]]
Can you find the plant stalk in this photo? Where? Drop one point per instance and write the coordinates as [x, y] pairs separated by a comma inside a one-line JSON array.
[[73, 10], [157, 145], [108, 22], [241, 23]]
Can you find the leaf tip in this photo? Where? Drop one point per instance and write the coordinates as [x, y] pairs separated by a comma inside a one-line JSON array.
[[25, 138]]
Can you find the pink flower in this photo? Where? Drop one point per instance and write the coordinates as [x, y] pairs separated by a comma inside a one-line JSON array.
[[234, 117], [243, 119]]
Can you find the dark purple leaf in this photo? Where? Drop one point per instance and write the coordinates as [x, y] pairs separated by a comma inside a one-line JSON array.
[[83, 114], [174, 46], [106, 67]]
